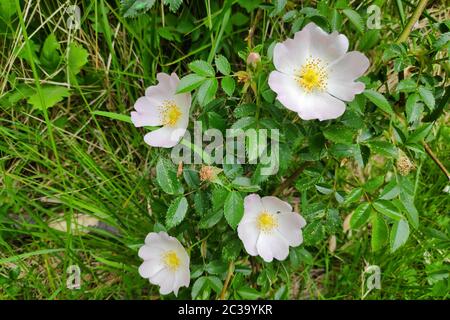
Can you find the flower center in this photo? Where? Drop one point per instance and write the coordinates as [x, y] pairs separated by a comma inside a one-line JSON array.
[[171, 260], [312, 75], [170, 113], [266, 222]]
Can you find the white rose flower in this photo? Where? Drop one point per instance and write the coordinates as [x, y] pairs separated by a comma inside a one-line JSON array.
[[162, 107], [269, 227], [166, 262], [315, 73]]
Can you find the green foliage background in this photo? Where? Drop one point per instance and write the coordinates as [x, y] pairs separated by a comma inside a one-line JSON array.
[[80, 187]]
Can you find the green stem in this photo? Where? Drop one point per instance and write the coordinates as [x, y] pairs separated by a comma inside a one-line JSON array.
[[415, 16], [227, 280]]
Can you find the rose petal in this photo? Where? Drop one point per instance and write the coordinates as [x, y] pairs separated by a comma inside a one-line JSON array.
[[327, 47], [252, 205], [289, 226], [289, 92], [249, 233], [152, 251], [288, 56], [150, 268], [165, 137], [271, 246], [275, 205], [321, 106], [345, 90], [349, 67]]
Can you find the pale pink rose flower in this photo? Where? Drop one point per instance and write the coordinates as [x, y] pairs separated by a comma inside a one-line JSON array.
[[161, 106], [166, 262], [315, 74], [269, 227]]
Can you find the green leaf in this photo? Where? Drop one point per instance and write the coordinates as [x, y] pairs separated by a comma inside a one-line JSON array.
[[369, 39], [228, 85], [442, 40], [420, 133], [248, 293], [239, 19], [216, 267], [176, 212], [50, 53], [198, 286], [360, 215], [244, 184], [339, 134], [113, 115], [289, 16], [244, 110], [158, 227], [249, 5], [353, 195], [407, 199], [211, 219], [234, 209], [388, 209], [279, 6], [379, 232], [412, 108], [441, 105], [379, 100], [166, 33], [373, 184], [300, 255], [78, 57], [407, 85], [207, 91], [189, 83], [427, 97], [355, 19], [166, 176], [215, 283], [218, 197], [7, 9], [202, 68], [314, 232], [20, 92], [173, 4], [383, 148], [324, 188], [223, 65], [390, 191], [50, 95], [24, 54], [335, 19], [399, 234], [191, 177], [243, 123], [132, 8], [232, 249], [201, 203]]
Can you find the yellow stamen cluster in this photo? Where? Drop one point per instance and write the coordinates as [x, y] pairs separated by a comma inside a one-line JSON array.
[[170, 113], [171, 260], [312, 75], [266, 222]]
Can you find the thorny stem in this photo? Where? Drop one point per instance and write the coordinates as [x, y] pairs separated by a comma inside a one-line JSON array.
[[415, 16], [227, 280], [405, 33], [252, 29], [436, 160], [286, 183], [403, 36]]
